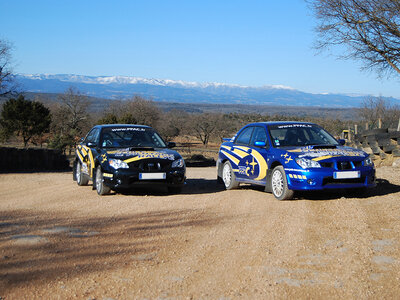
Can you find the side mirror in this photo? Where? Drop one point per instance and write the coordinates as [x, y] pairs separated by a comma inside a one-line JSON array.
[[171, 145], [259, 144], [342, 142], [91, 144]]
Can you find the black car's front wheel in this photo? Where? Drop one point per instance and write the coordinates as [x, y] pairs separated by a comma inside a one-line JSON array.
[[81, 178], [279, 184], [101, 188]]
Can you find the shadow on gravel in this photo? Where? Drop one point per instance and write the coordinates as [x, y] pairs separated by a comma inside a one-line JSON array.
[[38, 248], [383, 188], [192, 187], [202, 186]]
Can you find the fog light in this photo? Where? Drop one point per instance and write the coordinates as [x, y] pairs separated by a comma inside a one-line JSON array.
[[119, 181], [311, 181]]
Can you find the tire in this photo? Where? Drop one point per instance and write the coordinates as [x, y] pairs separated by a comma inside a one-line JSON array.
[[228, 177], [81, 179], [279, 184], [101, 188]]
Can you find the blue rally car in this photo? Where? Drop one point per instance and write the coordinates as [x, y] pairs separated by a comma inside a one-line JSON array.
[[121, 156], [290, 156]]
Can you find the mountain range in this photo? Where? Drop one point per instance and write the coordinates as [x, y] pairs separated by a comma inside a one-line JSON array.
[[122, 87]]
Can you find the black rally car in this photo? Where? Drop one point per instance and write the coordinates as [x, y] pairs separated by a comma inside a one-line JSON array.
[[121, 156]]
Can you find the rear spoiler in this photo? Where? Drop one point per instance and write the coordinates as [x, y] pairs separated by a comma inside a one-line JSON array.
[[226, 139]]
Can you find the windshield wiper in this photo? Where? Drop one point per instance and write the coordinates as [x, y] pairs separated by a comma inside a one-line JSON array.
[[141, 148], [316, 146]]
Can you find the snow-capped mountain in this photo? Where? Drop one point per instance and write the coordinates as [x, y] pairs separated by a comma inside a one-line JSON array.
[[121, 87]]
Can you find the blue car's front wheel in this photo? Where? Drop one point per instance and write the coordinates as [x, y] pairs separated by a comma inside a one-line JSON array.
[[279, 184]]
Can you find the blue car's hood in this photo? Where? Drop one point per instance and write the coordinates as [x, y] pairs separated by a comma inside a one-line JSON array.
[[324, 153]]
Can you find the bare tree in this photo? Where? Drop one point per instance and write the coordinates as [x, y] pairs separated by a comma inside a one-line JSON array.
[[70, 118], [7, 84], [204, 125], [368, 28], [375, 108]]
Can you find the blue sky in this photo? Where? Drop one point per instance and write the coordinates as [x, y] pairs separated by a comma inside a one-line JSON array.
[[241, 42]]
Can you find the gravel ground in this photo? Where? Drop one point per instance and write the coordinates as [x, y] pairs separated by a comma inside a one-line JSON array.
[[62, 241]]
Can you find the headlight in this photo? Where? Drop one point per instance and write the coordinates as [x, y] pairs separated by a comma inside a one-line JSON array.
[[118, 164], [368, 162], [307, 163], [179, 163]]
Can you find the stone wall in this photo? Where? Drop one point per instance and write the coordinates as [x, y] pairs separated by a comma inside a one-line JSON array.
[[383, 144], [20, 160]]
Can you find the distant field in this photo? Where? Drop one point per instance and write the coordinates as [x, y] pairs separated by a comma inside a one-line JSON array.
[[100, 104]]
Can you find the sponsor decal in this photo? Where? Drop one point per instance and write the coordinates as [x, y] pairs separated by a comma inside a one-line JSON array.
[[287, 158], [321, 154], [294, 126], [143, 155], [128, 129]]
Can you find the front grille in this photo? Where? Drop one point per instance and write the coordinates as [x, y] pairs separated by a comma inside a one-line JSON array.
[[331, 181], [327, 165], [150, 165], [344, 165]]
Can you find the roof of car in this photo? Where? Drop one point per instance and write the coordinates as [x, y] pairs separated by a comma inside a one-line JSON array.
[[280, 123], [122, 125]]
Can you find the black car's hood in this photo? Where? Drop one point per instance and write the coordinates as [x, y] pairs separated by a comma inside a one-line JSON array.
[[133, 154]]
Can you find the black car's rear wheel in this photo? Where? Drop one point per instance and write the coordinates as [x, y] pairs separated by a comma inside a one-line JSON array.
[[101, 188], [81, 178]]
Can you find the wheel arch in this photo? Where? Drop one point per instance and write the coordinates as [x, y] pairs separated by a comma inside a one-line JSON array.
[[268, 187]]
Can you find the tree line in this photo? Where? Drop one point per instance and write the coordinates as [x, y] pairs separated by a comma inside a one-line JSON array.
[[60, 124]]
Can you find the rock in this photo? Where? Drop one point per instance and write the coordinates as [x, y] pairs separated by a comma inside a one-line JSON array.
[[396, 163]]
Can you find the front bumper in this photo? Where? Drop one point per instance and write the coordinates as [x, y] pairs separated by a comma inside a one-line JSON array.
[[126, 178], [323, 178]]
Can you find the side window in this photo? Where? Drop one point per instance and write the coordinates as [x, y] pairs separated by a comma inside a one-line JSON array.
[[92, 135], [244, 136], [259, 135]]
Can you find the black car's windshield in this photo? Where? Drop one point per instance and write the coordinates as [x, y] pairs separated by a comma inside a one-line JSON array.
[[130, 137], [287, 135]]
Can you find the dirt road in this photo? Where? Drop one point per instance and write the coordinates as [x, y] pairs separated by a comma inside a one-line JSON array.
[[61, 241]]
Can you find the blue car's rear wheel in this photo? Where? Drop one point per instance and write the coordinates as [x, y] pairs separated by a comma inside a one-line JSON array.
[[228, 177], [279, 184]]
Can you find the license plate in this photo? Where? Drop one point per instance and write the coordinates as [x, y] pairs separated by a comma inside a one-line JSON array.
[[146, 176], [346, 175]]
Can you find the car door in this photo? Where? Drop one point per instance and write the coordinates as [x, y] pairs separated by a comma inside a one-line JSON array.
[[259, 155], [90, 144], [242, 150]]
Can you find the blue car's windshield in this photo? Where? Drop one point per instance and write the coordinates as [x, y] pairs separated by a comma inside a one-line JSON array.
[[130, 137], [287, 135]]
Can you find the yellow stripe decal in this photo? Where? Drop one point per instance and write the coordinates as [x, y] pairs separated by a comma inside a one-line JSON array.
[[107, 175], [227, 148], [80, 156], [84, 151], [240, 153], [133, 159], [322, 157], [242, 148], [91, 163], [232, 158], [262, 164]]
